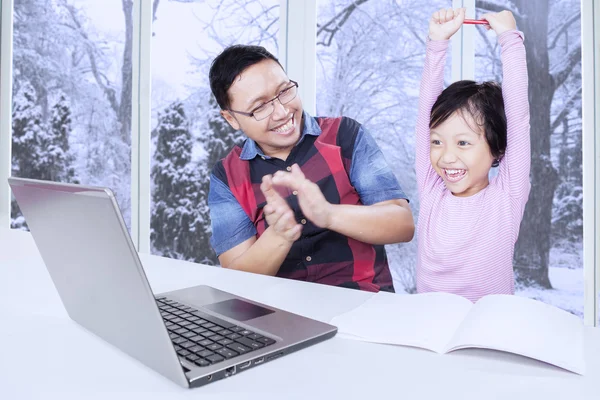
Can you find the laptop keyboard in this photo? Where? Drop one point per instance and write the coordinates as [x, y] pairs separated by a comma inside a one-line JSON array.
[[204, 339]]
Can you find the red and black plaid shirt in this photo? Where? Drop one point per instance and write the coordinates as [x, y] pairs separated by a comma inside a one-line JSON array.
[[319, 255]]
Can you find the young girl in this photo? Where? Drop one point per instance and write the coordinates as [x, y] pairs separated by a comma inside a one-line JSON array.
[[468, 225]]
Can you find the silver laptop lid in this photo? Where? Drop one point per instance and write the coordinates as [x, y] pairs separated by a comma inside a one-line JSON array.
[[88, 252]]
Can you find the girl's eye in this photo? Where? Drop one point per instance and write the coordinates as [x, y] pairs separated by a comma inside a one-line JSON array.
[[463, 143], [435, 142]]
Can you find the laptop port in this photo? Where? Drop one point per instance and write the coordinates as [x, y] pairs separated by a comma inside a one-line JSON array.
[[209, 377], [259, 360], [230, 371], [244, 365], [274, 356]]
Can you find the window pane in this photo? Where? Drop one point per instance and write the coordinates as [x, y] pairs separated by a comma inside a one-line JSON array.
[[549, 252], [369, 65], [71, 118], [189, 136]]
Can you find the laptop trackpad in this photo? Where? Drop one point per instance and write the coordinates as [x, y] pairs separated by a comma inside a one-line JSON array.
[[238, 309]]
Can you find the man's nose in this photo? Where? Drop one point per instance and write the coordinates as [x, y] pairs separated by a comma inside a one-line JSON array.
[[279, 110]]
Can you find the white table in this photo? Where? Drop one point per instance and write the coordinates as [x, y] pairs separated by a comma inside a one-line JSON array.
[[43, 354]]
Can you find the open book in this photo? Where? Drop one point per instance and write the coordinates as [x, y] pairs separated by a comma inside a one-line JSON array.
[[444, 322]]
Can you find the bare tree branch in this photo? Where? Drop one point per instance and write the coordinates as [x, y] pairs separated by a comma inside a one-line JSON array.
[[495, 7], [254, 20], [154, 9], [571, 60], [121, 106], [564, 28], [491, 50], [568, 107], [489, 6], [125, 107], [381, 111], [334, 24], [412, 30], [98, 76]]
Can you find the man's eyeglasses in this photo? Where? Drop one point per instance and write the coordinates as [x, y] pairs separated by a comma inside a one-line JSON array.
[[265, 109]]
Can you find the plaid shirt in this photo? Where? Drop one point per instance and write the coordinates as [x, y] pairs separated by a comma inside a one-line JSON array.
[[343, 159]]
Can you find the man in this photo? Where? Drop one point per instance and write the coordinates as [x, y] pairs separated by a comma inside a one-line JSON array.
[[302, 198]]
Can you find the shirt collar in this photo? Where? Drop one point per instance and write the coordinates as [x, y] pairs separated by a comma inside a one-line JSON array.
[[251, 148]]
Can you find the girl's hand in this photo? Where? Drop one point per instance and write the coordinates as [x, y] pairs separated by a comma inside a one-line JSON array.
[[445, 23], [500, 22]]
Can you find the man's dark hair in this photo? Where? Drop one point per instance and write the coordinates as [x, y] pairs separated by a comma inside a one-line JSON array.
[[484, 102], [229, 64]]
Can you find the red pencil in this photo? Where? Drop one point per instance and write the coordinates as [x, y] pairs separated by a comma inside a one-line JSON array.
[[476, 22]]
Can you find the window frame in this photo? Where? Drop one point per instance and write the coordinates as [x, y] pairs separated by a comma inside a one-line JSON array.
[[299, 34]]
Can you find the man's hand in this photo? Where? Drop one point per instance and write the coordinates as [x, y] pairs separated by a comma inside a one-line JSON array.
[[310, 198], [500, 22], [445, 23], [278, 213]]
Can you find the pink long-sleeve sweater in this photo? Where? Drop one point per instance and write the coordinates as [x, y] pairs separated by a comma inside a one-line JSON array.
[[466, 244]]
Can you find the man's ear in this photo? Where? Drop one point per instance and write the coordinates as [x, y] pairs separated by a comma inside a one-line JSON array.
[[231, 119]]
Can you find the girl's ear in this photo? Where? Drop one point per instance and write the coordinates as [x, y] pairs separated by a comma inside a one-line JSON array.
[[497, 160]]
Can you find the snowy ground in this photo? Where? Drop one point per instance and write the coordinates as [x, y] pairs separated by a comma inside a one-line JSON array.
[[567, 291], [566, 277]]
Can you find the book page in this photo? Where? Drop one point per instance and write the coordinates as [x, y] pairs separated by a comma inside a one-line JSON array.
[[427, 320], [526, 327]]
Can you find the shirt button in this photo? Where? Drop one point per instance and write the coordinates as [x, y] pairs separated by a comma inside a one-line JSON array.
[[289, 168], [303, 221], [295, 193], [262, 157], [308, 258]]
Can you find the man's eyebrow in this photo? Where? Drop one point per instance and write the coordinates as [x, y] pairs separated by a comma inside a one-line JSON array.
[[264, 97]]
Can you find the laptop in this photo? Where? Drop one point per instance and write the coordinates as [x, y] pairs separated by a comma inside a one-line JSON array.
[[192, 336]]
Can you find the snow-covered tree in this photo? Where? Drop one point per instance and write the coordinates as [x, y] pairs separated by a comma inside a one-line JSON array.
[[26, 127], [55, 158], [176, 229], [59, 48], [27, 124], [40, 150], [218, 140]]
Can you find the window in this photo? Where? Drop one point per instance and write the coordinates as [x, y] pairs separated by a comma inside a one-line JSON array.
[[371, 72], [369, 62], [189, 135], [71, 117], [71, 108], [549, 252]]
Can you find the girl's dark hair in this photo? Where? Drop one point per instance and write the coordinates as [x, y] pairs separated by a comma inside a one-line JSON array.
[[229, 64], [484, 102]]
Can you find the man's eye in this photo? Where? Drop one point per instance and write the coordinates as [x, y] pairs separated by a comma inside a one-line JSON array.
[[260, 108]]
